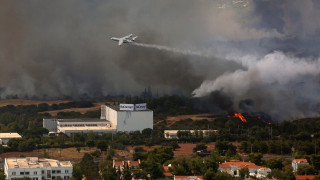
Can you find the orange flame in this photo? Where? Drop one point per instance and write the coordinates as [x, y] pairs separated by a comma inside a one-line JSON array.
[[239, 115]]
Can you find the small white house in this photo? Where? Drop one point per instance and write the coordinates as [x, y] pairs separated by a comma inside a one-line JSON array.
[[173, 134], [297, 162], [263, 172], [5, 137]]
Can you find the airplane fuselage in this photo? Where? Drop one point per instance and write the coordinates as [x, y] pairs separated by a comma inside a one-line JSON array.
[[126, 39]]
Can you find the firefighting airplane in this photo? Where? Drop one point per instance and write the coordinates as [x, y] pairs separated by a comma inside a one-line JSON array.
[[125, 39]]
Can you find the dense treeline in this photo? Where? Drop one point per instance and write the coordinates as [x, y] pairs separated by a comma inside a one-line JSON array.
[[301, 138]]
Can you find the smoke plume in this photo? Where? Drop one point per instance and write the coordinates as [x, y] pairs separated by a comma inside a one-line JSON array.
[[262, 52]]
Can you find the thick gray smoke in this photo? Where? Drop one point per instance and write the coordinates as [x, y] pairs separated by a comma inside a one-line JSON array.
[[262, 52], [174, 50]]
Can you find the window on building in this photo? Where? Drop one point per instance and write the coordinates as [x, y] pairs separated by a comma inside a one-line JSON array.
[[58, 171], [53, 177], [66, 177], [21, 173], [35, 172], [42, 172], [13, 173], [66, 171], [27, 173], [48, 174], [53, 171]]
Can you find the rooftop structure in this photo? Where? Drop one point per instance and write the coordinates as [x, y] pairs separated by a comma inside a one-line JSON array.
[[36, 168], [5, 137]]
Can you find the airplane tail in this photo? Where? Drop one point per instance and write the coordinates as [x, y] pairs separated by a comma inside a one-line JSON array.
[[134, 38]]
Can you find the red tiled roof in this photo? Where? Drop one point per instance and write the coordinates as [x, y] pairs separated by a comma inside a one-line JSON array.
[[134, 162], [248, 179], [165, 168], [167, 174], [304, 177], [300, 160], [118, 163], [239, 164], [183, 177]]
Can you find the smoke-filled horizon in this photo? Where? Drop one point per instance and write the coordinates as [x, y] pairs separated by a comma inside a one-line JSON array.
[[262, 52]]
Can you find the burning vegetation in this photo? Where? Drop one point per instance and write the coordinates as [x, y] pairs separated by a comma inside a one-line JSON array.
[[240, 116]]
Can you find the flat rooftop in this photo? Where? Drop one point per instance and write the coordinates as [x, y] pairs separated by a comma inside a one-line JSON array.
[[85, 128], [117, 108], [35, 162], [9, 135], [82, 120]]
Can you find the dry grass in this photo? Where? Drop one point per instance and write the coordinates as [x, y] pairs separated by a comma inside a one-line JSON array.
[[81, 110], [70, 154], [173, 119], [16, 102]]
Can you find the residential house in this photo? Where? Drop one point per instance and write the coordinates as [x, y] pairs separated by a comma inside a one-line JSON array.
[[297, 162]]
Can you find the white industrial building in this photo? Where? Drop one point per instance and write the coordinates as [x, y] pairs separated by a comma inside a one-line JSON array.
[[37, 169], [127, 120], [5, 137], [124, 118]]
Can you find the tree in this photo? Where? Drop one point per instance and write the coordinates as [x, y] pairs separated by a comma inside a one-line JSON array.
[[197, 166], [287, 174], [102, 145], [222, 176], [163, 154], [276, 174], [43, 107], [140, 174], [224, 146], [244, 172], [2, 176], [200, 147], [76, 172], [126, 174], [209, 175], [109, 173], [180, 166], [88, 167], [256, 158], [315, 161], [275, 163], [212, 162], [90, 143], [147, 132], [306, 169], [152, 167]]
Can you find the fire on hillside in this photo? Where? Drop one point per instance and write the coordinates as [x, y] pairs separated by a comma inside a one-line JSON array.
[[239, 115]]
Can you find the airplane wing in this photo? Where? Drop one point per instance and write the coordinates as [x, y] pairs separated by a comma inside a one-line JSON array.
[[128, 36], [120, 41]]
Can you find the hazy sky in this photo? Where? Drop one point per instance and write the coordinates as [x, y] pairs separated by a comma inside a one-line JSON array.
[[265, 51]]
